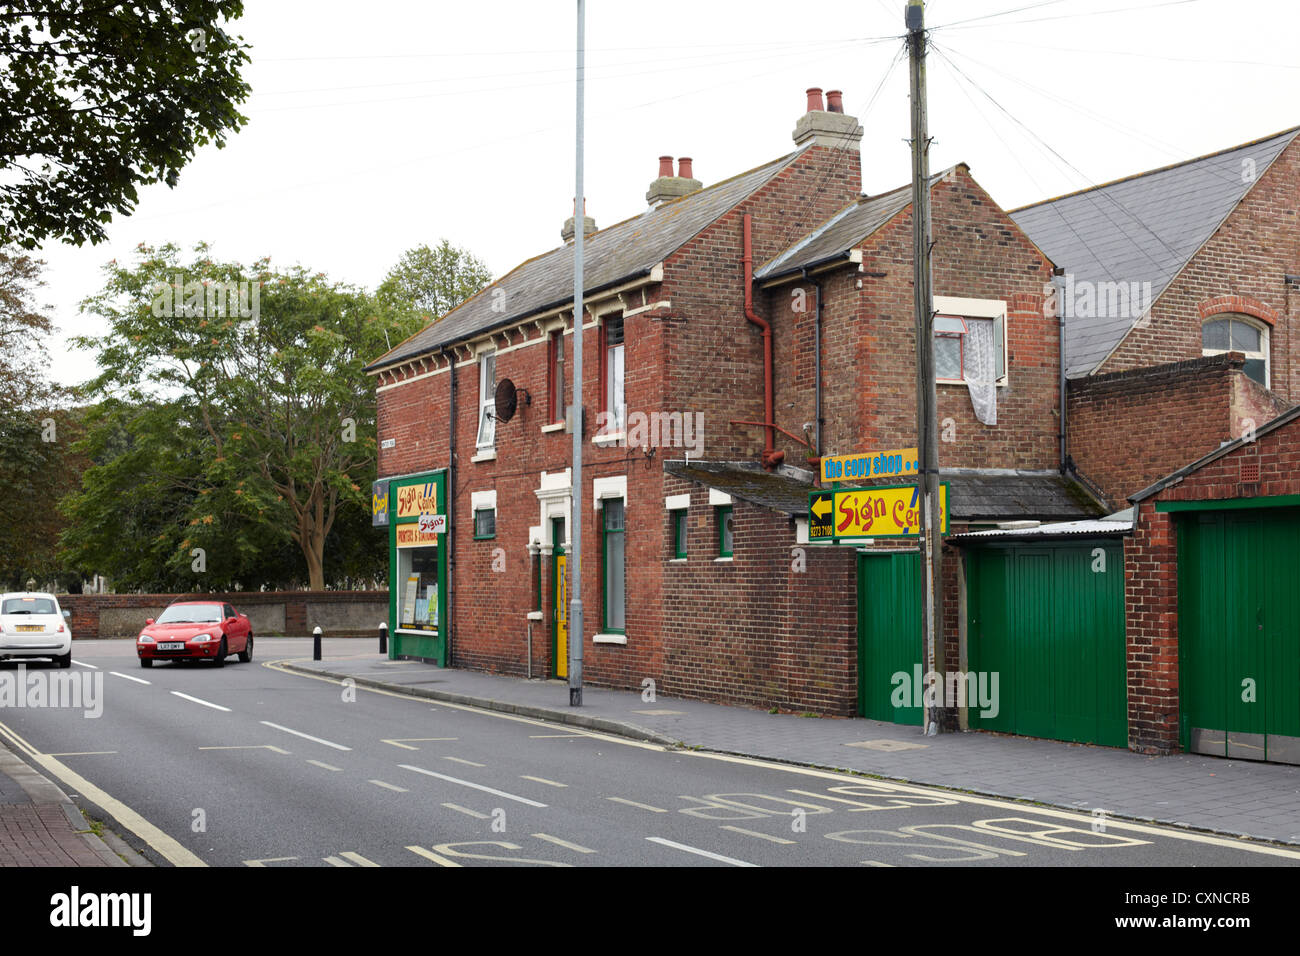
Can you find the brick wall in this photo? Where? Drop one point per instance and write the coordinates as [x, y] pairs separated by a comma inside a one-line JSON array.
[[1129, 429]]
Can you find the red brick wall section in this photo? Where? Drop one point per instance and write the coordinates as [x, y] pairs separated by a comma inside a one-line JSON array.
[[1247, 258], [1129, 429], [86, 608], [1151, 576]]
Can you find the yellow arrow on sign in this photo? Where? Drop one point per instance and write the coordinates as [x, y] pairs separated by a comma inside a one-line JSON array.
[[822, 507]]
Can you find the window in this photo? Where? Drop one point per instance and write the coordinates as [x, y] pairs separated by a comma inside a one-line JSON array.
[[555, 365], [485, 523], [487, 385], [612, 555], [725, 530], [613, 403], [1237, 333], [957, 340], [677, 521]]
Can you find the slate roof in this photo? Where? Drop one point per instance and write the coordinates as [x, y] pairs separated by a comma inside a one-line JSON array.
[[841, 233], [1143, 228], [978, 494], [613, 255]]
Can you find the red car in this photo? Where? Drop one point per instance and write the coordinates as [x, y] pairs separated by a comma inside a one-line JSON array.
[[195, 631]]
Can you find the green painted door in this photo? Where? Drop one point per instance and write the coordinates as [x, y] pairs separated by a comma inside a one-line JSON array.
[[1045, 634], [889, 637], [1239, 633]]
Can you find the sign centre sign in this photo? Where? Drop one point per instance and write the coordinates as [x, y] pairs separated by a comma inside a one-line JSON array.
[[889, 511]]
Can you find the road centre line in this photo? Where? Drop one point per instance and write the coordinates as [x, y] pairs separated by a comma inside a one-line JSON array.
[[464, 761], [205, 703], [397, 741], [549, 783], [467, 811], [389, 786], [761, 836], [138, 680], [564, 843], [698, 852], [430, 855], [299, 733], [325, 766], [639, 806], [269, 747], [84, 664], [476, 786]]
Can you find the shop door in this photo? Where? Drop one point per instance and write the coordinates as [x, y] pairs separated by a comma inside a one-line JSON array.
[[559, 603], [889, 636], [1239, 633]]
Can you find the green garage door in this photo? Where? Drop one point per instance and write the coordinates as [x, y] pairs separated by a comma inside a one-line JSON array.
[[1048, 620], [1239, 633], [889, 635]]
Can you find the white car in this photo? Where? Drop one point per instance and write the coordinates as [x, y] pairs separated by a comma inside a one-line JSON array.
[[32, 625]]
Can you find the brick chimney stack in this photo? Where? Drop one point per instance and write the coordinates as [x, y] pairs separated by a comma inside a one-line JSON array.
[[826, 124], [588, 225], [667, 186]]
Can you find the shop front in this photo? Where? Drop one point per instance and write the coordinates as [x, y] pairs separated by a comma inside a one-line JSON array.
[[415, 507]]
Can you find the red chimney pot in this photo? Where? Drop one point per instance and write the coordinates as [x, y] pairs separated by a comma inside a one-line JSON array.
[[835, 101], [665, 166], [815, 99], [684, 168]]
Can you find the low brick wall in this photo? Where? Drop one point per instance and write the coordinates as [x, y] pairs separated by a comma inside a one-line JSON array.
[[272, 613]]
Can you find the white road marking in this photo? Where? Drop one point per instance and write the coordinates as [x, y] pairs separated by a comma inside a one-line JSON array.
[[397, 741], [875, 863], [640, 806], [84, 664], [564, 843], [476, 786], [325, 766], [138, 680], [269, 747], [83, 753], [335, 861], [269, 859], [464, 761], [549, 783], [553, 736], [199, 700], [761, 836], [466, 810], [698, 852], [357, 858], [389, 786], [299, 733], [430, 855]]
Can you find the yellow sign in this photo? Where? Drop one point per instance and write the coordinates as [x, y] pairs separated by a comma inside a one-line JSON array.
[[886, 512], [872, 464], [410, 536], [379, 503], [415, 500]]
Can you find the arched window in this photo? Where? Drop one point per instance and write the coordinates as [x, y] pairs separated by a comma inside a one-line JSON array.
[[1239, 333]]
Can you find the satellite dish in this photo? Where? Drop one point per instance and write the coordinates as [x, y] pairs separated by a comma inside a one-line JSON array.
[[507, 399]]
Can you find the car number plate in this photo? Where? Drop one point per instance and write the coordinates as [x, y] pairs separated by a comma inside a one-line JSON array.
[[172, 646], [31, 627]]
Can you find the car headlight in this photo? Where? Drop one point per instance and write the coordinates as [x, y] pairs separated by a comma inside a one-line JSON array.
[[203, 638], [146, 639]]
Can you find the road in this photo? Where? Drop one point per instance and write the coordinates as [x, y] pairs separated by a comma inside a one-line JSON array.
[[252, 765]]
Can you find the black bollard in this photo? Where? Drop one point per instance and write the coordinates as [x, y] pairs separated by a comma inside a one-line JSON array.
[[315, 643], [383, 638]]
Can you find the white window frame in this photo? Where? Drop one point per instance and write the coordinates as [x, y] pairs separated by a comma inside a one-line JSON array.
[[1265, 340], [963, 308], [487, 425]]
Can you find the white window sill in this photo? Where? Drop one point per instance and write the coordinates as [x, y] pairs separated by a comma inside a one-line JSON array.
[[1003, 383], [677, 560], [534, 615], [613, 438], [610, 639], [554, 427], [723, 560], [485, 454]]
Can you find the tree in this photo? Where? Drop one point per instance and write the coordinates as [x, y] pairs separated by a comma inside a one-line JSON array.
[[236, 420], [98, 99], [431, 282]]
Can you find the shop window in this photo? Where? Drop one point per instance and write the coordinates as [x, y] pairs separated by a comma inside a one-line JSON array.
[[485, 523], [612, 399], [417, 576], [677, 519], [487, 385], [725, 531], [613, 565], [1237, 333]]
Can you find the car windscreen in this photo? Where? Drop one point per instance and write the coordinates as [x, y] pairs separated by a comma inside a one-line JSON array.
[[190, 614], [28, 606]]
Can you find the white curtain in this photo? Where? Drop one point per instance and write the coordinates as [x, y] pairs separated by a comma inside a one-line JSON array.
[[980, 370]]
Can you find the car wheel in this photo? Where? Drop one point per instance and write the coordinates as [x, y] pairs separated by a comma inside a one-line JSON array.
[[146, 662], [64, 660], [246, 654], [220, 659]]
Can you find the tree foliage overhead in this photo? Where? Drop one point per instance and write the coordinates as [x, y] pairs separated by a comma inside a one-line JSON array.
[[100, 98], [431, 282]]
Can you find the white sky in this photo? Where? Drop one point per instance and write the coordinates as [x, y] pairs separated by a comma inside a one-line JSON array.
[[414, 121]]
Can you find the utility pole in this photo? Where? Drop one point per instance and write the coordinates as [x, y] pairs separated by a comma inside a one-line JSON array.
[[927, 480], [575, 410]]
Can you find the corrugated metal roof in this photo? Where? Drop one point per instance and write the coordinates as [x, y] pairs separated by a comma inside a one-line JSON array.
[[1119, 523], [1140, 229], [623, 251]]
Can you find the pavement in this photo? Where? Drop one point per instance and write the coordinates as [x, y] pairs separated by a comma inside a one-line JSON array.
[[1217, 795]]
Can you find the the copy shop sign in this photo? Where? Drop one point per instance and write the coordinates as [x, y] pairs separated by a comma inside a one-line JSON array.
[[855, 513]]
